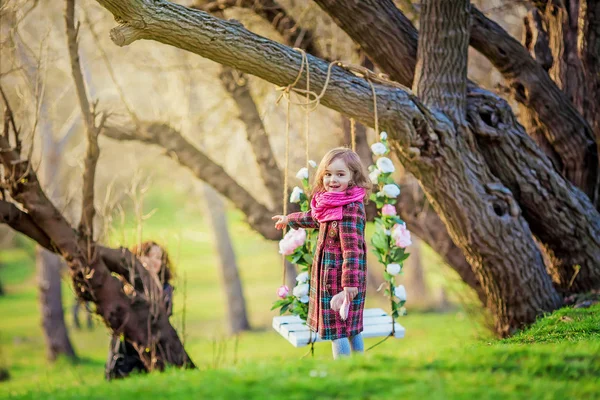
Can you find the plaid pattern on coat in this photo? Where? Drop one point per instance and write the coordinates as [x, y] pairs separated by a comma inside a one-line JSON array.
[[340, 261]]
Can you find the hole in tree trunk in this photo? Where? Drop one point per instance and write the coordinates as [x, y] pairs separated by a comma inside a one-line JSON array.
[[499, 209], [486, 116], [520, 93]]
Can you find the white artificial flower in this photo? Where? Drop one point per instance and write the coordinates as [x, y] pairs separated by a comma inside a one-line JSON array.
[[392, 191], [302, 277], [393, 269], [383, 135], [301, 290], [388, 232], [378, 149], [304, 299], [385, 165], [302, 173], [312, 163], [374, 176], [295, 196], [400, 292]]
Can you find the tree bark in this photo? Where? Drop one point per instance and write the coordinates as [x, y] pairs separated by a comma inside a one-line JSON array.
[[51, 308], [422, 220], [588, 49], [565, 129], [271, 11], [503, 143], [236, 304]]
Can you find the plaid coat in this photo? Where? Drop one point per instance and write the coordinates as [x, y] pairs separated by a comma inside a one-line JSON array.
[[340, 261]]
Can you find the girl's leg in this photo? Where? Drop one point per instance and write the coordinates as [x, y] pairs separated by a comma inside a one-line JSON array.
[[357, 344], [340, 348]]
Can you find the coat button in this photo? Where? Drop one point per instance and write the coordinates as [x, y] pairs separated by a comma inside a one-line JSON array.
[[330, 241]]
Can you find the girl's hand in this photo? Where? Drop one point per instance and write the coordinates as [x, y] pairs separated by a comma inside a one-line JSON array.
[[350, 293], [282, 221]]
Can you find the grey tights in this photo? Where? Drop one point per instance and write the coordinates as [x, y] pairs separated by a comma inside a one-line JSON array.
[[342, 347]]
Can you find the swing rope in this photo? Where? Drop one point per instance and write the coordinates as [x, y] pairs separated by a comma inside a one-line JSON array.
[[353, 134]]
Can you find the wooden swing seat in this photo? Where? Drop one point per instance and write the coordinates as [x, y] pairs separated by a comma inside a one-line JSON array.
[[376, 323]]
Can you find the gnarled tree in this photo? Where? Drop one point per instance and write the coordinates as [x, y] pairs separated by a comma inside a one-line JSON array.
[[485, 185]]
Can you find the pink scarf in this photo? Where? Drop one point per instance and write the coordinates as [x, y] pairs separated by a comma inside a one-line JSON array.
[[327, 206]]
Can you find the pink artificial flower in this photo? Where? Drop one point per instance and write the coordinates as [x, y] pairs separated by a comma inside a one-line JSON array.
[[401, 235], [283, 291], [388, 209], [291, 241]]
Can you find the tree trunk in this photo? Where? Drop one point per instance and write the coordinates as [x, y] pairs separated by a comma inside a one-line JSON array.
[[236, 304], [588, 49], [51, 308], [422, 220], [441, 82]]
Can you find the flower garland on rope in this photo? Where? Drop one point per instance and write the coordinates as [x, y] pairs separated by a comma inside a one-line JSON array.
[[391, 236], [298, 246]]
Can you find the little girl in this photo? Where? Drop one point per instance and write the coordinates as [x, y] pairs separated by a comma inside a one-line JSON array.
[[123, 359], [339, 267]]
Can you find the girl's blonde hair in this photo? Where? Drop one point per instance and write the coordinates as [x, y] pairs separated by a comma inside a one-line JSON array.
[[359, 178]]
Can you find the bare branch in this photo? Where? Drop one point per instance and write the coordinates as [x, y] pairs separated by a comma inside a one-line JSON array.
[[86, 224], [9, 116], [203, 167]]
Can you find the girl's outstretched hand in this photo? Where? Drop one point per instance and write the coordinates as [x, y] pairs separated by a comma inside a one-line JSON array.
[[281, 221]]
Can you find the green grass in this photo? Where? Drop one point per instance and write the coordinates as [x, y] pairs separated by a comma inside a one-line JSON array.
[[447, 355]]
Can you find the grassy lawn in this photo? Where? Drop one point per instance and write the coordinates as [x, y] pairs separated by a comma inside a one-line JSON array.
[[447, 355]]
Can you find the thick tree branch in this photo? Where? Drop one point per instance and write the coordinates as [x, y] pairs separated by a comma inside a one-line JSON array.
[[441, 73], [86, 223], [272, 12], [569, 134], [395, 48], [236, 84], [23, 223], [377, 26], [203, 167]]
